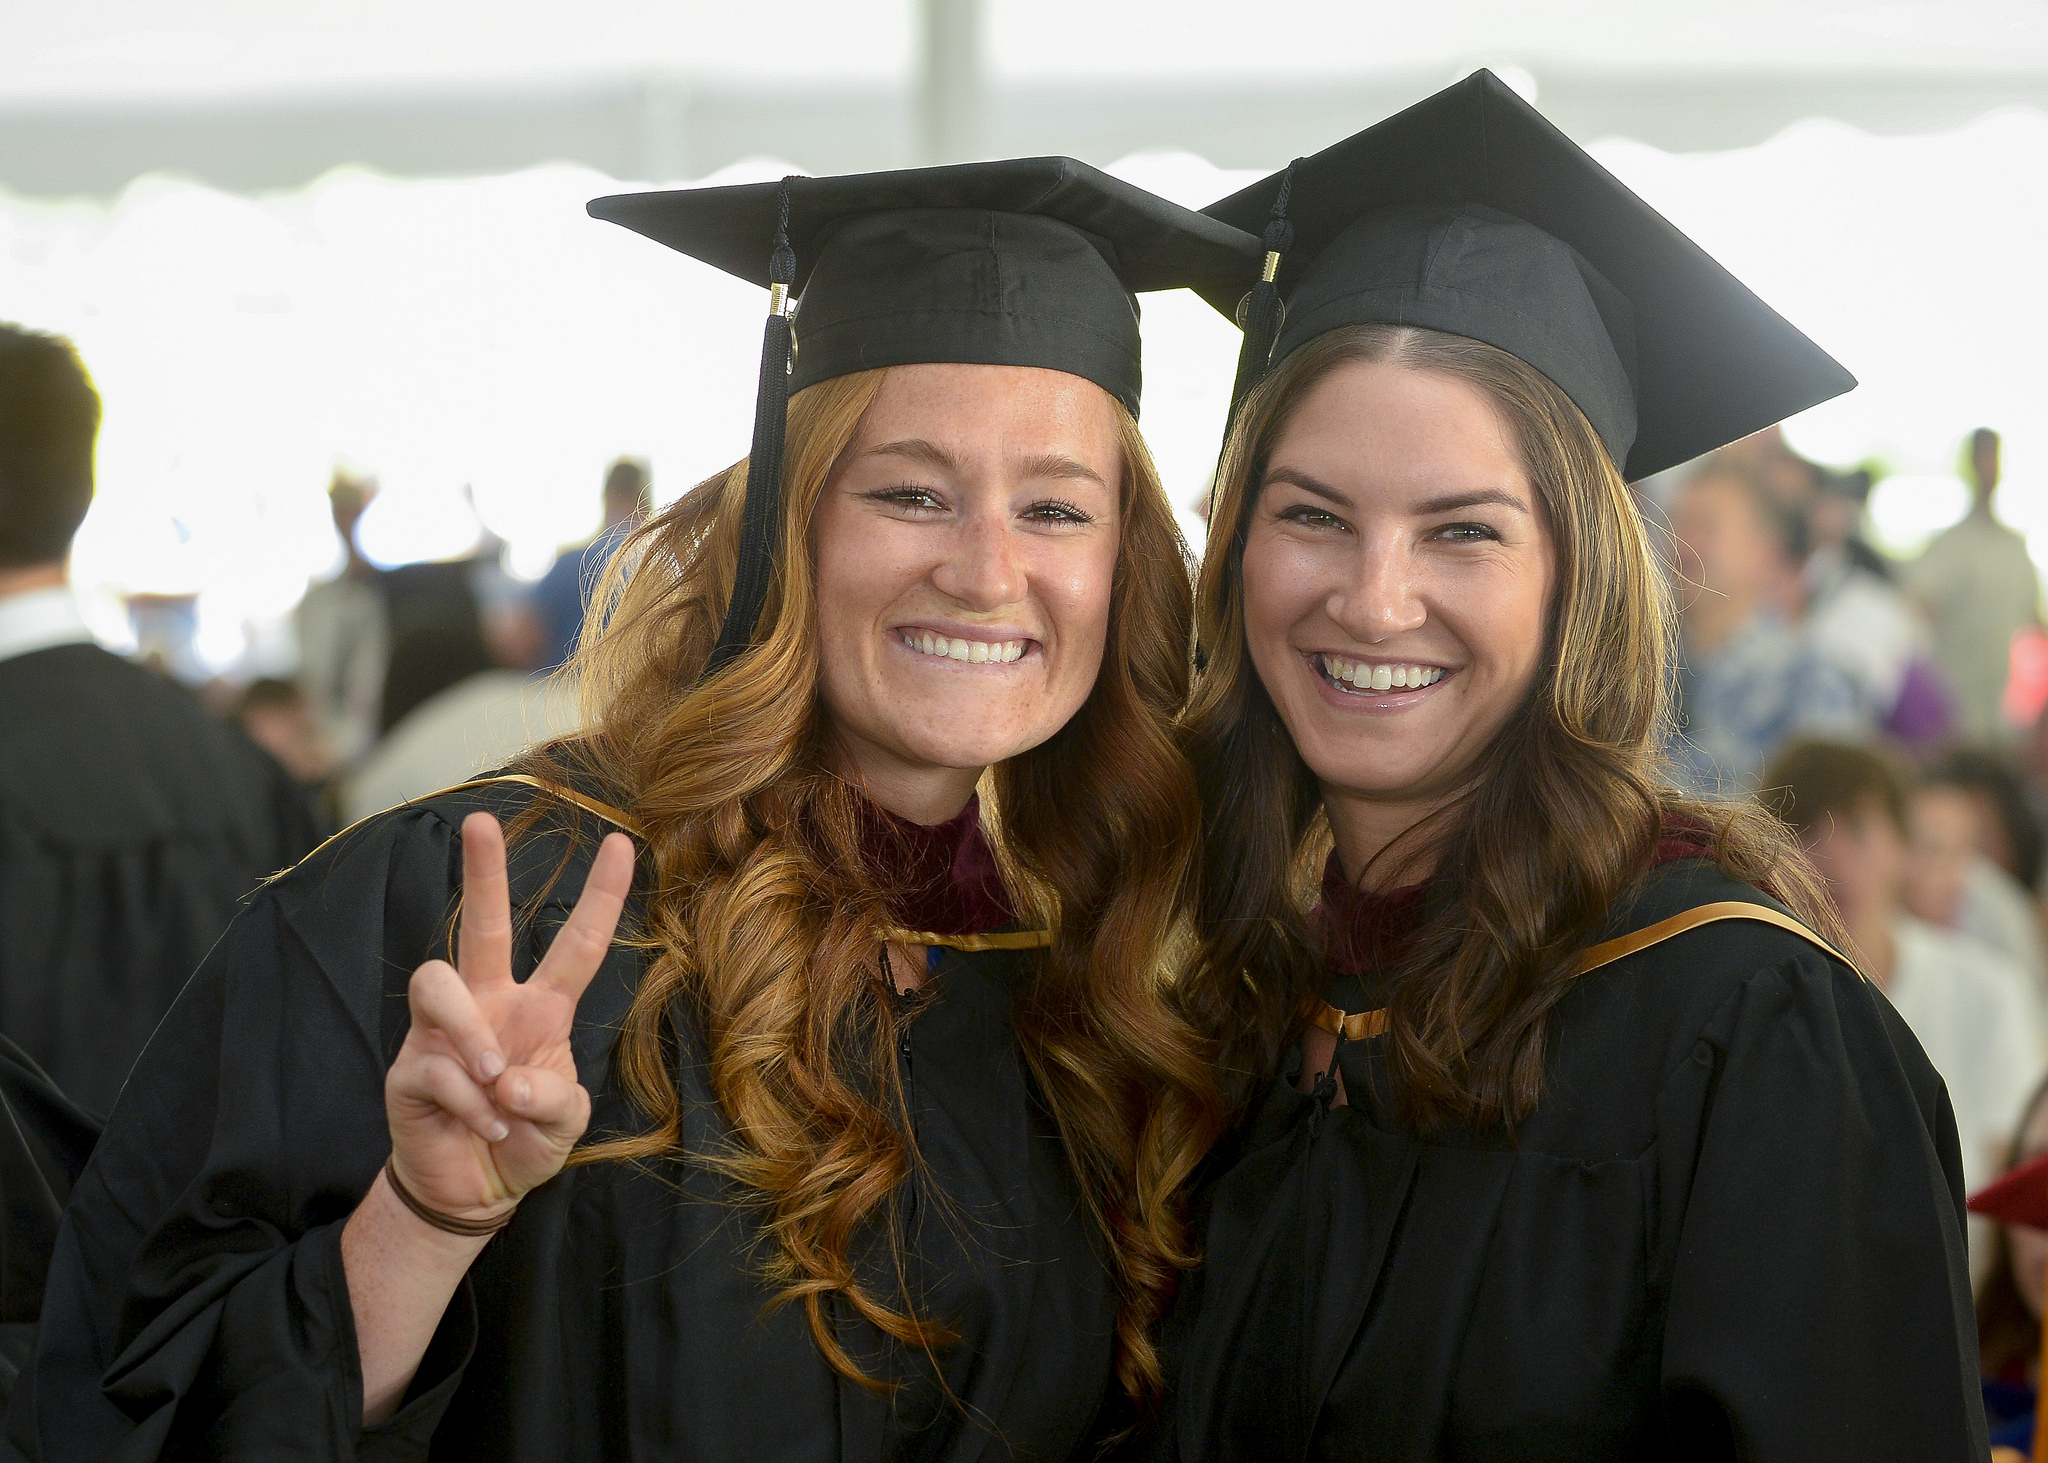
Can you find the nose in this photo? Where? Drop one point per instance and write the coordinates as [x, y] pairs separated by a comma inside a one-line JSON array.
[[983, 570], [1382, 599]]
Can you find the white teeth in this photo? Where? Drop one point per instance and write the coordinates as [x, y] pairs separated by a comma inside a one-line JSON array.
[[974, 652], [1380, 677]]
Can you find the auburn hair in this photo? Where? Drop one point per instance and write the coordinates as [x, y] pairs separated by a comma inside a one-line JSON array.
[[1562, 813], [761, 922]]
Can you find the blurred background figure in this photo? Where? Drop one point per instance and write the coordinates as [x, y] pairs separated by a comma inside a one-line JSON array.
[[278, 716], [1972, 1008], [2009, 1302], [1950, 880], [131, 821], [344, 641], [1979, 588], [559, 600], [1749, 679], [1860, 619]]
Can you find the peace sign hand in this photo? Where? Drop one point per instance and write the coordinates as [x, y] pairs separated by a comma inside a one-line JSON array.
[[483, 1102]]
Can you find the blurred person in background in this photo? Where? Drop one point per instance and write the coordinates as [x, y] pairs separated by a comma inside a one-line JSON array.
[[457, 697], [1979, 588], [132, 821], [1971, 1007], [2009, 1301], [1856, 614], [1749, 680], [278, 716], [459, 713], [344, 642], [559, 599], [2009, 830], [1949, 881]]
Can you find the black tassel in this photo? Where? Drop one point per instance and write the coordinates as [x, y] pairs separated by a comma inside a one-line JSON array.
[[761, 522], [1263, 311]]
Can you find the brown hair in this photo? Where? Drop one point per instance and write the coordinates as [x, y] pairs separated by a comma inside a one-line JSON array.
[[1813, 779], [49, 420], [1563, 812], [761, 923]]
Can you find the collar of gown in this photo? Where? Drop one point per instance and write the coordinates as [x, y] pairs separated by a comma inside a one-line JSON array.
[[38, 619], [1365, 931], [942, 877]]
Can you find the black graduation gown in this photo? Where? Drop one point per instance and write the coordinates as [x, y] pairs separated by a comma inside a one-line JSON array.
[[132, 824], [45, 1140], [197, 1305], [1731, 1229]]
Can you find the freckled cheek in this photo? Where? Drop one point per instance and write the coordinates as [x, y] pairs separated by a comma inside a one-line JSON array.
[[1074, 591]]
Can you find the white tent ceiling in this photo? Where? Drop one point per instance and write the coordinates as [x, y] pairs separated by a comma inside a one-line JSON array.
[[269, 93]]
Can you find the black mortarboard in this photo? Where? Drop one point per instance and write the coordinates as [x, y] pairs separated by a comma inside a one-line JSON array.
[[1028, 262], [1470, 214]]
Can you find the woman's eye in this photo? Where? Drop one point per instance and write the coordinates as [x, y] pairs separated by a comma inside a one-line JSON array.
[[1467, 533], [917, 500], [1309, 516], [1057, 510]]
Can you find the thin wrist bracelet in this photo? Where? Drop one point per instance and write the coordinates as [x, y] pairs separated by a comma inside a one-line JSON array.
[[446, 1223]]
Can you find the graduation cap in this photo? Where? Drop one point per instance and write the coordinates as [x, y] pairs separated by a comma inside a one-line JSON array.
[[1028, 262], [2017, 1197], [1470, 214]]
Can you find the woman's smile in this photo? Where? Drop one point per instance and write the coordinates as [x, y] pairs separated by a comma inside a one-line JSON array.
[[1376, 684], [985, 648]]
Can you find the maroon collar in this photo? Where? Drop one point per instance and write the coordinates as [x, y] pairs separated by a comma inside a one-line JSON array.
[[1364, 932], [940, 878]]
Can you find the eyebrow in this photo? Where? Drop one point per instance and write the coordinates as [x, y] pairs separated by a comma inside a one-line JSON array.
[[1448, 503], [1047, 465], [917, 449]]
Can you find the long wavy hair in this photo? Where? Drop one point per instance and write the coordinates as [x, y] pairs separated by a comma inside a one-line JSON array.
[[1561, 816], [761, 918]]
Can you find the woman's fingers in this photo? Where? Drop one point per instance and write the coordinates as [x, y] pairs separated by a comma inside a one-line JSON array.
[[555, 1104], [484, 950], [580, 946], [442, 1081], [442, 1001]]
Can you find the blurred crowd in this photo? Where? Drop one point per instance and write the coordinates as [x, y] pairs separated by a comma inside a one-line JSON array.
[[1891, 712], [412, 678], [1873, 703]]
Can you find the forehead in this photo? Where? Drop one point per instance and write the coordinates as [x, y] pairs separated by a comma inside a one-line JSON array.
[[978, 410], [1377, 423]]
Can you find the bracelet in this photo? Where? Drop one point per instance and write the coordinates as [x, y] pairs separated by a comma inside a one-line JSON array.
[[446, 1223]]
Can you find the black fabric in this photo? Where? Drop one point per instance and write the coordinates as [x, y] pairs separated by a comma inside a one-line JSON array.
[[1731, 1229], [198, 1309], [1025, 262], [132, 824], [45, 1140], [1471, 214]]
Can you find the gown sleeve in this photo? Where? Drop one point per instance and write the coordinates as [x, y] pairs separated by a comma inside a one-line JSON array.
[[1819, 1299], [196, 1305]]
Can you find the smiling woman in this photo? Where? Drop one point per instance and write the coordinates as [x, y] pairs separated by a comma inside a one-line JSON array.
[[867, 1139], [1565, 1131]]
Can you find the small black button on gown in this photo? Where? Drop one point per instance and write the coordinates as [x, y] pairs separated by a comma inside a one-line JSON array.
[[1731, 1229], [198, 1307]]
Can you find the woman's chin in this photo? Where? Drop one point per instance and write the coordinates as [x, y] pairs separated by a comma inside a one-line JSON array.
[[1380, 779]]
